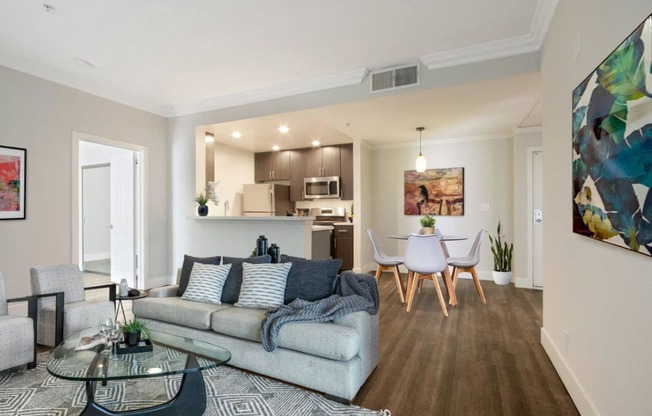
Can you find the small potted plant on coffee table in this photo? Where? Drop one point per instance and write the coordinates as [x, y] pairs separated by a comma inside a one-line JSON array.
[[132, 331]]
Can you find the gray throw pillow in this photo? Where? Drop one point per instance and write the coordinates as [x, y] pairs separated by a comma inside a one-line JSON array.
[[231, 290], [188, 262], [310, 280]]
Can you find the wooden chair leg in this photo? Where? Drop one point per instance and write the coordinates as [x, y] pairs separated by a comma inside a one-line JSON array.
[[450, 287], [456, 272], [399, 283], [412, 288], [379, 270], [440, 296], [420, 286], [478, 288]]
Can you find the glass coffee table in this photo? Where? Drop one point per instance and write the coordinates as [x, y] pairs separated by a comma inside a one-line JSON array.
[[170, 355]]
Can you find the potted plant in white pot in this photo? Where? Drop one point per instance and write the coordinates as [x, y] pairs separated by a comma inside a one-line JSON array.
[[502, 252], [428, 224]]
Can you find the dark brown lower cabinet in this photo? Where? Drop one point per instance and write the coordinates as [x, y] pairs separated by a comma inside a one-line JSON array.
[[343, 245]]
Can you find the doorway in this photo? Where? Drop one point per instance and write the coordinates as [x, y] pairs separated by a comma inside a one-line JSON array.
[[110, 217]]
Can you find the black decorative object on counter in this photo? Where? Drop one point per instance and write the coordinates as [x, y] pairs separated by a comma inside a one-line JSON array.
[[275, 252], [261, 245], [202, 210]]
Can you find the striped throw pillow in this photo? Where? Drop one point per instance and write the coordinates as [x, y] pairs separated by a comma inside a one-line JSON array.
[[206, 283], [263, 285]]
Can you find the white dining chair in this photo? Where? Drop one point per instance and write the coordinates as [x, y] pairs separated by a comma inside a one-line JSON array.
[[424, 258], [467, 264], [385, 262]]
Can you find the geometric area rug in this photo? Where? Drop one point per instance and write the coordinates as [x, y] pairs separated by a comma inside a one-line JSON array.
[[230, 392]]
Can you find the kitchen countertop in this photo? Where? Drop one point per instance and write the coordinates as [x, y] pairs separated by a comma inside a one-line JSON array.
[[242, 218], [322, 228], [343, 223]]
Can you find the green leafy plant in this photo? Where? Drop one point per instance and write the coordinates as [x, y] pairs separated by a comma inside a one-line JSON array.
[[428, 221], [502, 252], [201, 199], [135, 326]]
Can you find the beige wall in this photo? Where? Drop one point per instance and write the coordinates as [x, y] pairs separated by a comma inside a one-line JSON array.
[[599, 294], [41, 116]]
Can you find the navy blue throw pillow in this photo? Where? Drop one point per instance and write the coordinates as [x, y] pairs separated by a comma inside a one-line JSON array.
[[188, 262], [231, 290], [310, 280]]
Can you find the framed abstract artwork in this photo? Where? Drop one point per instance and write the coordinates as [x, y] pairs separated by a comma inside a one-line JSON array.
[[612, 146], [435, 192], [12, 183]]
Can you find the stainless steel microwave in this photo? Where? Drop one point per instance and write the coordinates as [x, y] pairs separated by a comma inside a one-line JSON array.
[[321, 188]]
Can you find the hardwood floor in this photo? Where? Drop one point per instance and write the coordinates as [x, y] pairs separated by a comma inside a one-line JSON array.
[[480, 360]]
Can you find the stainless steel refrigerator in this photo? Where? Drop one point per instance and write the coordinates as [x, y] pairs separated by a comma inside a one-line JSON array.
[[266, 200]]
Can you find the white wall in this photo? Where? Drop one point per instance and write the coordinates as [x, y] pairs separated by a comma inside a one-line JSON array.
[[41, 116], [96, 208], [487, 179], [523, 140], [365, 261], [599, 294]]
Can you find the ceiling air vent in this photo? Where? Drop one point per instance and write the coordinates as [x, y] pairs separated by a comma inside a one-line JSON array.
[[393, 78]]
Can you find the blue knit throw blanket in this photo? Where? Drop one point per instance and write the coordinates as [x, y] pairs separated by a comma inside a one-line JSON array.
[[353, 292]]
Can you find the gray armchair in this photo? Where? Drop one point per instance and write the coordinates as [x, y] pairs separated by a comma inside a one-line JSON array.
[[17, 345], [77, 314]]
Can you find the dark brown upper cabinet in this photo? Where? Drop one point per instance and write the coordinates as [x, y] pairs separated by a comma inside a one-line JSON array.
[[346, 171], [323, 161], [272, 166]]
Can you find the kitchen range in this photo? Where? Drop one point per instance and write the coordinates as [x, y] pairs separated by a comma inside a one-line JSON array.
[[332, 236]]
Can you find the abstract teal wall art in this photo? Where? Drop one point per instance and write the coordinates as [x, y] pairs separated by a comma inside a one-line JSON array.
[[612, 146]]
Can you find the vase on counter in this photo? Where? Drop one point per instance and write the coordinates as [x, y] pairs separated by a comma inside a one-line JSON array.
[[261, 245], [202, 210], [275, 253]]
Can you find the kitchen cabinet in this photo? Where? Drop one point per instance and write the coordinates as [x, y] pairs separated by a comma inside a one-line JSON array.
[[297, 173], [323, 161], [343, 245], [272, 166], [346, 171]]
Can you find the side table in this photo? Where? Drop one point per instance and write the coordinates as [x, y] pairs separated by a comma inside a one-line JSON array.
[[119, 306]]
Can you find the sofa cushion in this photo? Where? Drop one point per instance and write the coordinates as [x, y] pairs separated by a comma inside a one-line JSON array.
[[206, 283], [231, 290], [327, 340], [186, 269], [310, 280], [176, 311], [263, 285]]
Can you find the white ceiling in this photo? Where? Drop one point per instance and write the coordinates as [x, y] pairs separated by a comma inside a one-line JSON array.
[[175, 57]]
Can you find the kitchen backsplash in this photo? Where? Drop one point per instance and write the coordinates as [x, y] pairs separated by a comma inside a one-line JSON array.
[[326, 203]]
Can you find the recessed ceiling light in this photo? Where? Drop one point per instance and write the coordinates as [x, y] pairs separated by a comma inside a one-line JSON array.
[[276, 147], [236, 134], [283, 129], [84, 64], [315, 143], [209, 137]]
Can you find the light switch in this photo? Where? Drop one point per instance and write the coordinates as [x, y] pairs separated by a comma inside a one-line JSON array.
[[485, 206]]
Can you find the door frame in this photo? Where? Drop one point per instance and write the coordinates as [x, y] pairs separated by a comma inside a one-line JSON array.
[[141, 198], [530, 217]]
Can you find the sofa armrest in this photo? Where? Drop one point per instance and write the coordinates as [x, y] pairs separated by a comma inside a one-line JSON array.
[[32, 310], [368, 327], [163, 291]]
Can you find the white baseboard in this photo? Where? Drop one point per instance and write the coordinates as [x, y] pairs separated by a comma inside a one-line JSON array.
[[523, 283], [97, 256], [580, 397]]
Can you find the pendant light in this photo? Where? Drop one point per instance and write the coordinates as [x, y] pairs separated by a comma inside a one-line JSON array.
[[421, 161]]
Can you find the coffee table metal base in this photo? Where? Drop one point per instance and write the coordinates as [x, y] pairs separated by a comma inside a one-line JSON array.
[[190, 399]]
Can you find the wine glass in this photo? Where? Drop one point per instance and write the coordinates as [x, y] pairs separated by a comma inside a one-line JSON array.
[[114, 336], [104, 328]]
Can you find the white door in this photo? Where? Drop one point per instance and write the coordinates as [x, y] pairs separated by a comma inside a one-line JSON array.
[[537, 219], [123, 214]]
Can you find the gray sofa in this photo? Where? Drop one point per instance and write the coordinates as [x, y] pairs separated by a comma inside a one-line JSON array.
[[335, 358]]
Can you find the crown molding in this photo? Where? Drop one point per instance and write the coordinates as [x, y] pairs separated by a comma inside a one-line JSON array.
[[57, 77], [342, 79], [531, 129], [503, 48]]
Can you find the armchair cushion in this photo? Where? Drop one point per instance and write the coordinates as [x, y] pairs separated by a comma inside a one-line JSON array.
[[16, 342]]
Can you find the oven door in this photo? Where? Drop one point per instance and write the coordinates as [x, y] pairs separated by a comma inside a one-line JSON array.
[[321, 188]]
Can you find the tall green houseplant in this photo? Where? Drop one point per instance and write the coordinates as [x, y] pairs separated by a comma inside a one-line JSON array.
[[502, 252]]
